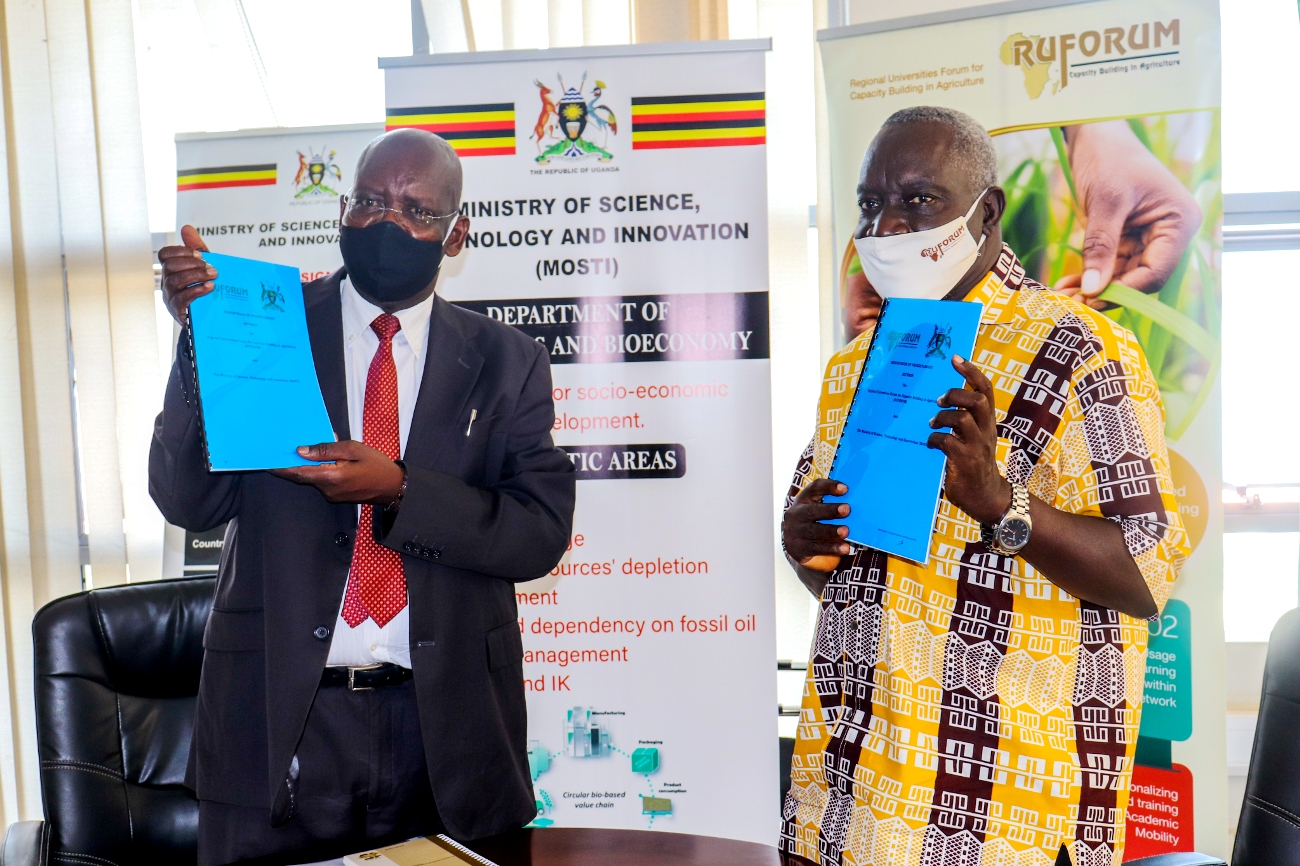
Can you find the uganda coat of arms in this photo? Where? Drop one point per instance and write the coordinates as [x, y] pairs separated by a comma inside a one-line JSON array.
[[314, 171], [565, 129]]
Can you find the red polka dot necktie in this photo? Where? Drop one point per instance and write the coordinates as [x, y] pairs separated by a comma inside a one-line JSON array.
[[377, 581]]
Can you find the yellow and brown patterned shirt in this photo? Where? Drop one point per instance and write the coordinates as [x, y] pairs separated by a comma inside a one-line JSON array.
[[970, 712]]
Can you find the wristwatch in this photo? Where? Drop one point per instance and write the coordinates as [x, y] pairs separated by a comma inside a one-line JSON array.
[[1010, 534]]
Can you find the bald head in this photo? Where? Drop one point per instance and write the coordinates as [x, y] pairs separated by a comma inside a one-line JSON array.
[[410, 179], [968, 144], [412, 159]]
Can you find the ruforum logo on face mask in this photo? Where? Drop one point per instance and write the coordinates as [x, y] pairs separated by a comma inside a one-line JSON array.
[[936, 252]]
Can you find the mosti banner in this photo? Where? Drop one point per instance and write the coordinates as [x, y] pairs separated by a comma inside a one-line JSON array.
[[618, 216], [1106, 117], [270, 194]]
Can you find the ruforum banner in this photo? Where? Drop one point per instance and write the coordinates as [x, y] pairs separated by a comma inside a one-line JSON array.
[[1106, 118], [618, 215]]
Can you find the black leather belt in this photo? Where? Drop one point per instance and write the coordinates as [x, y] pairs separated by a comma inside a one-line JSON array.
[[368, 677]]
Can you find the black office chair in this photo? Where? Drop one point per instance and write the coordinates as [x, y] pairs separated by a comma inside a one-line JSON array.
[[117, 675], [1268, 832]]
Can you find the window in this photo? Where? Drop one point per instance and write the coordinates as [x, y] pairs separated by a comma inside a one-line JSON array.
[[244, 64], [1260, 125], [1261, 466], [1266, 563], [1261, 307]]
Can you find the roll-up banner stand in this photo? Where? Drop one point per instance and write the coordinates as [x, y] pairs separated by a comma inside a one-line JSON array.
[[1142, 78], [617, 200], [269, 194], [618, 215]]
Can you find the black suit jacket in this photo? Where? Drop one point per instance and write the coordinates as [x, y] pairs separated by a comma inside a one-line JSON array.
[[480, 512]]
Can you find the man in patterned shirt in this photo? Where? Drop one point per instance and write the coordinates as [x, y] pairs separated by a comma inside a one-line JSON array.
[[984, 708]]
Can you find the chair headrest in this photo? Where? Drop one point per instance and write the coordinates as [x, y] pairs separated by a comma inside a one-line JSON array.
[[1282, 670], [143, 639]]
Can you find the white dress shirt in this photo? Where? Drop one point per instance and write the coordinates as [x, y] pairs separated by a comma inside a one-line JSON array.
[[368, 643]]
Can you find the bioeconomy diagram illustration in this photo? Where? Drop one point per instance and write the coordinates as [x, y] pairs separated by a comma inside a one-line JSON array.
[[587, 737]]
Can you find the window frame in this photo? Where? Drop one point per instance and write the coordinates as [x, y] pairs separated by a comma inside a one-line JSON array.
[[1260, 222]]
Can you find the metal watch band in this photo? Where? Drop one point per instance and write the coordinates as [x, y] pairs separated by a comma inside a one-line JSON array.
[[1019, 505], [401, 492], [1020, 499]]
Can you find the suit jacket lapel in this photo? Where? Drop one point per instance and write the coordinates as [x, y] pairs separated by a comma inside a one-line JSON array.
[[451, 367], [325, 325]]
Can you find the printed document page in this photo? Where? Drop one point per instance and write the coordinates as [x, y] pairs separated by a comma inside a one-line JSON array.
[[426, 851], [258, 392]]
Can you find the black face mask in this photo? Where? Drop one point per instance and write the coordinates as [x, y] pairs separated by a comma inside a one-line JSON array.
[[386, 263]]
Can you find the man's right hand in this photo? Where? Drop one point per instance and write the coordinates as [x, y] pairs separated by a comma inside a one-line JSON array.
[[185, 276], [1139, 217], [808, 541]]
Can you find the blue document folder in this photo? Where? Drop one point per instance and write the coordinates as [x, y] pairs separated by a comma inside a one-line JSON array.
[[893, 478], [258, 393]]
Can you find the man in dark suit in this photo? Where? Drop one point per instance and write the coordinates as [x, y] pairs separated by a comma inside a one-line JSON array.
[[362, 680]]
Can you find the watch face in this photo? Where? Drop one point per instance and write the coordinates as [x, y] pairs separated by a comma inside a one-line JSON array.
[[1013, 534]]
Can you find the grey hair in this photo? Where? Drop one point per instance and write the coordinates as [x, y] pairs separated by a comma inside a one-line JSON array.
[[972, 146]]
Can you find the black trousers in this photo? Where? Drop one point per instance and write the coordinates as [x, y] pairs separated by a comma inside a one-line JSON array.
[[362, 783]]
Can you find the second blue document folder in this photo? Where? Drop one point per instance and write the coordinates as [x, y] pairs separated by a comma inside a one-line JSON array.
[[893, 478]]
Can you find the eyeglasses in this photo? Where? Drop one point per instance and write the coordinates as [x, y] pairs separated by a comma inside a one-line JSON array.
[[366, 209]]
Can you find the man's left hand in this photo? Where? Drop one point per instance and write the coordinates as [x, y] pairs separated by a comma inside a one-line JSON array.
[[972, 481], [358, 474]]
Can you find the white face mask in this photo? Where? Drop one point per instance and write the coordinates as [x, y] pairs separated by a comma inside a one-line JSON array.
[[924, 264]]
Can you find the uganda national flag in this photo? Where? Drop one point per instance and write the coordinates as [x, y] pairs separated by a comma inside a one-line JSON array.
[[473, 130], [225, 175], [709, 120]]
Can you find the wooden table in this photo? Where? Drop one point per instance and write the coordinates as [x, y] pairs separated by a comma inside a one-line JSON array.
[[571, 846]]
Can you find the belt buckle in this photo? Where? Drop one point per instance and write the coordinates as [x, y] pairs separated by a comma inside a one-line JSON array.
[[352, 677]]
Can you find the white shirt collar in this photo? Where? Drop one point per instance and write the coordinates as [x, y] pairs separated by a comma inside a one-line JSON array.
[[358, 313]]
